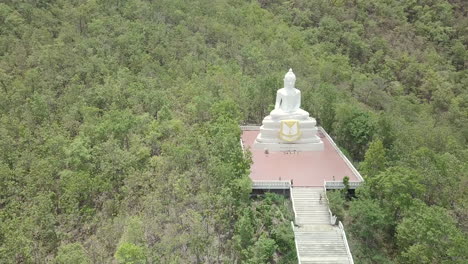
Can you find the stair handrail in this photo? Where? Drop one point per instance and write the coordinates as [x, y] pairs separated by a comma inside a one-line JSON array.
[[332, 217], [295, 243], [343, 234], [293, 222], [292, 201], [242, 146]]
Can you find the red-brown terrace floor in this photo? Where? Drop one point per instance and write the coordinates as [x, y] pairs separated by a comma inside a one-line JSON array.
[[304, 168]]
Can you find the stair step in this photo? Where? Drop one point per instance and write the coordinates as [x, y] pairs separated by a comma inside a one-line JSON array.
[[324, 260], [316, 239]]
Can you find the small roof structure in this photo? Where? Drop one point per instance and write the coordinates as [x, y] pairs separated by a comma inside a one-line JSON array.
[[305, 169]]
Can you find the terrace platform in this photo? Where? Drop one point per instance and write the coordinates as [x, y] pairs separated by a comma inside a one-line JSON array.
[[304, 169]]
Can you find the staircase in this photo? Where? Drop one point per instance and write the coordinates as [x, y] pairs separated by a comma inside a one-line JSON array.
[[317, 240]]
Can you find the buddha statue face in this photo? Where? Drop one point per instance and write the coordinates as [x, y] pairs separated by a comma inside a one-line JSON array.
[[289, 79]]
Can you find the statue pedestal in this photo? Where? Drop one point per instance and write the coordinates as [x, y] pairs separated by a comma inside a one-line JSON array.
[[288, 135]]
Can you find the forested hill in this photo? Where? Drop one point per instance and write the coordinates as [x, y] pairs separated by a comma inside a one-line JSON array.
[[119, 136]]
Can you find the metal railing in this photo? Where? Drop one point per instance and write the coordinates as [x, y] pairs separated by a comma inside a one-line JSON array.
[[340, 185], [250, 127], [271, 185], [348, 251]]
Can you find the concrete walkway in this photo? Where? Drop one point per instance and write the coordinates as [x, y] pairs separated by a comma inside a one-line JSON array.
[[305, 168], [317, 240]]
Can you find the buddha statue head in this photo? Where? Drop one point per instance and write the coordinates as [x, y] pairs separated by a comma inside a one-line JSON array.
[[289, 79]]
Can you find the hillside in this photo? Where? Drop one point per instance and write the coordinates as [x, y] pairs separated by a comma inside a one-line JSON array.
[[119, 126]]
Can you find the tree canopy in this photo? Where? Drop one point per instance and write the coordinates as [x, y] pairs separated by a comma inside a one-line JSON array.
[[119, 126]]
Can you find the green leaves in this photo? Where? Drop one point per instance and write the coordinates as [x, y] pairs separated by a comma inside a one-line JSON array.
[[263, 232], [73, 253], [337, 203], [397, 189], [429, 235], [263, 250], [370, 225], [226, 109], [112, 109], [129, 253], [374, 160], [354, 129], [244, 230]]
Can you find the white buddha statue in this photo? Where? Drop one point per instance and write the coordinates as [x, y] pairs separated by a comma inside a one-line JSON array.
[[288, 127], [288, 100]]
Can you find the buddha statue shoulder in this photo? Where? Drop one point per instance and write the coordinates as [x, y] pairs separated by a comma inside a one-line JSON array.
[[288, 100]]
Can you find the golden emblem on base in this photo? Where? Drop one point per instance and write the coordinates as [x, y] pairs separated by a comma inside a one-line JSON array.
[[289, 130]]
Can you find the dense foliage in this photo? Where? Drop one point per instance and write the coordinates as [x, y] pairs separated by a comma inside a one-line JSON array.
[[119, 125]]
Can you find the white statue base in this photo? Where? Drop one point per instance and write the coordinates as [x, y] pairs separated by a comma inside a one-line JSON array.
[[304, 139]]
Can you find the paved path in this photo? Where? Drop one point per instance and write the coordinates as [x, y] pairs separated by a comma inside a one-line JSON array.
[[317, 240]]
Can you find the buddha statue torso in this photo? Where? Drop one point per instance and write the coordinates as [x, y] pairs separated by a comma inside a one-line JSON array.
[[288, 100]]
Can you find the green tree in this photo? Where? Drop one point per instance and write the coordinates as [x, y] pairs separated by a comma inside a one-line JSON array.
[[244, 232], [354, 129], [374, 160], [337, 204], [129, 253], [119, 120], [263, 250], [397, 189], [368, 222], [429, 235], [322, 104], [442, 176], [73, 253]]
